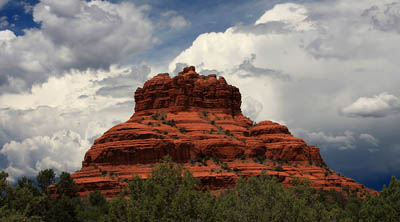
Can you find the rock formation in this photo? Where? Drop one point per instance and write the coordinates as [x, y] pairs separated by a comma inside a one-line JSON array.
[[197, 121]]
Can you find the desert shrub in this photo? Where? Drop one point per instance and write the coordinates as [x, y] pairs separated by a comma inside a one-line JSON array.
[[216, 160], [260, 159], [170, 123], [225, 167], [228, 133], [182, 130], [278, 168], [155, 116]]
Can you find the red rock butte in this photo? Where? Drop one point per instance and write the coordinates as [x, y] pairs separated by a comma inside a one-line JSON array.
[[197, 121]]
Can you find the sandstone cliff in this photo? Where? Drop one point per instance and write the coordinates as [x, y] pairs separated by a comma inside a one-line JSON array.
[[197, 121]]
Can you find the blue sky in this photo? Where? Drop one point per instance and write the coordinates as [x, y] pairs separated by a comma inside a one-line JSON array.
[[326, 69]]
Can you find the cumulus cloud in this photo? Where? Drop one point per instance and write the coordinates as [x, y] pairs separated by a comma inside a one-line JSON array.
[[331, 51], [73, 35], [175, 21], [65, 110], [293, 16], [381, 105], [327, 60], [62, 151], [341, 142], [315, 44], [62, 92], [178, 22], [6, 35]]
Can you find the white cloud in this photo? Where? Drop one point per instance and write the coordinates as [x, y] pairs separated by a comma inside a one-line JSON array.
[[369, 139], [68, 110], [74, 34], [6, 35], [304, 62], [178, 22], [342, 142], [380, 105], [293, 16], [251, 107], [328, 50], [213, 50], [3, 3], [62, 151], [172, 20], [64, 92]]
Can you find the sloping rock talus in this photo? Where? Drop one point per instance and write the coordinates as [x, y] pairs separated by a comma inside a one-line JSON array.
[[197, 121]]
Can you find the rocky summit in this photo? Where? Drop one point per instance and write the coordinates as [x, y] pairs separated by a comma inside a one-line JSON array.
[[197, 121]]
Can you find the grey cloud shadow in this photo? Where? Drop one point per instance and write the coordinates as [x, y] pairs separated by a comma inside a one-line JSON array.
[[252, 71]]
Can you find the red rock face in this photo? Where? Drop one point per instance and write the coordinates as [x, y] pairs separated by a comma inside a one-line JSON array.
[[188, 91], [197, 121]]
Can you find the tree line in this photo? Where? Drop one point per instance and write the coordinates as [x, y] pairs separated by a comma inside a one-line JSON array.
[[173, 194]]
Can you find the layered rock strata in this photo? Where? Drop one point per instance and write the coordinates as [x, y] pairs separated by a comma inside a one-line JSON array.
[[197, 121]]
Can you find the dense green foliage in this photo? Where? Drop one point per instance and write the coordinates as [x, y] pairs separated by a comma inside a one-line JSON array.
[[171, 194]]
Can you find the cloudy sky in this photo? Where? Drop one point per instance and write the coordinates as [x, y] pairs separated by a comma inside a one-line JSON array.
[[328, 69]]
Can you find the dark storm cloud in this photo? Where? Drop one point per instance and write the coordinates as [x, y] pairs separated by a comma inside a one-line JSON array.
[[370, 168]]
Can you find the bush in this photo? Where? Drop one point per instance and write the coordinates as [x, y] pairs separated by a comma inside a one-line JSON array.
[[279, 168], [172, 194], [155, 116], [182, 130], [170, 123], [260, 158], [228, 133], [216, 160], [226, 167]]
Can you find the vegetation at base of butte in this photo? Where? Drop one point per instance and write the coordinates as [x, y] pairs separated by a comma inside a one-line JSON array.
[[172, 194]]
